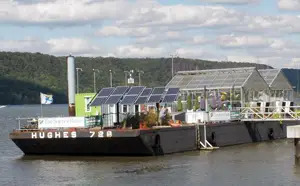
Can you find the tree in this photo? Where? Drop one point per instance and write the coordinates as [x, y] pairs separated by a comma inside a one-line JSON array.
[[179, 105], [196, 104], [189, 102]]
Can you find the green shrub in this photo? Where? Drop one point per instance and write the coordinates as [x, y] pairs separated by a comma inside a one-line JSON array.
[[189, 102], [179, 105], [196, 104], [151, 118]]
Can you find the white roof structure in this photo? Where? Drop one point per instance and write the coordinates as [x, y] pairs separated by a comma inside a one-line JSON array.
[[276, 79], [247, 78]]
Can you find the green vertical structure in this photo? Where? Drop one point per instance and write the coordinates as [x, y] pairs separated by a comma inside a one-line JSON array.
[[82, 108]]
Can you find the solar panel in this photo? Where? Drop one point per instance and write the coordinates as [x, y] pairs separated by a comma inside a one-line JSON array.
[[172, 91], [99, 101], [146, 92], [120, 90], [169, 98], [129, 100], [102, 96], [159, 90], [114, 99], [135, 90], [105, 92], [154, 99], [141, 100]]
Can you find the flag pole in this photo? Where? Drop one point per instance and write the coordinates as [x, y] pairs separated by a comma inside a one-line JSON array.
[[41, 105], [41, 110]]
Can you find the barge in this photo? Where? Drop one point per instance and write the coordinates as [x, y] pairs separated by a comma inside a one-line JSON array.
[[151, 134]]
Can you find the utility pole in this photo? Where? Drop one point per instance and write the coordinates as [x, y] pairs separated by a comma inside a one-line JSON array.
[[125, 80], [140, 72], [298, 77], [77, 76], [95, 70], [172, 56], [110, 77]]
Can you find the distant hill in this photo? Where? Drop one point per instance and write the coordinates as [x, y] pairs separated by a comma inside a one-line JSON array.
[[24, 75]]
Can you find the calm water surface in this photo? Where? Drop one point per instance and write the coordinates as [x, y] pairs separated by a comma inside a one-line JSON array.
[[270, 163]]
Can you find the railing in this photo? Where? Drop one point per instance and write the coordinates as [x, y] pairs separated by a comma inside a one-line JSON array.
[[270, 113], [27, 123]]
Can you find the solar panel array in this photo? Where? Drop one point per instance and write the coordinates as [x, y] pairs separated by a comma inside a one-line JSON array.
[[102, 96], [117, 95], [156, 95], [134, 95], [171, 95], [142, 99], [135, 90]]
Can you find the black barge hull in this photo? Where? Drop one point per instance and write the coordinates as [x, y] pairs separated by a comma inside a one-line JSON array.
[[106, 142], [235, 133], [148, 142]]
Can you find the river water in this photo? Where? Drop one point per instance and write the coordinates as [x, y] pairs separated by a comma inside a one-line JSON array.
[[270, 163]]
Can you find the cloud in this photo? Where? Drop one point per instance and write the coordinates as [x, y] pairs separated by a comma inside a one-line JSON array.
[[142, 17], [295, 63], [231, 1], [182, 16], [57, 46], [160, 36], [76, 46], [200, 40], [198, 53], [275, 61], [62, 12], [152, 29], [243, 41], [275, 24], [242, 58], [289, 4], [119, 31], [28, 44], [136, 51]]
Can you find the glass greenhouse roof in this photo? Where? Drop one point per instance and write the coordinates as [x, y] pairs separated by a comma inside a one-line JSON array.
[[212, 79], [275, 79], [269, 75]]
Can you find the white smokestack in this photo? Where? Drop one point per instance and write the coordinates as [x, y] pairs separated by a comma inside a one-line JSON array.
[[71, 82]]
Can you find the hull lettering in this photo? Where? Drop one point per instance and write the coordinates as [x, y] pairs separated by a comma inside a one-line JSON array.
[[65, 134]]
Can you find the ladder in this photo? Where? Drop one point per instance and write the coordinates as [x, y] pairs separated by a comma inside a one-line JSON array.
[[200, 145]]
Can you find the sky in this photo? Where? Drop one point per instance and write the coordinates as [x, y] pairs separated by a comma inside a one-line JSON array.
[[260, 31]]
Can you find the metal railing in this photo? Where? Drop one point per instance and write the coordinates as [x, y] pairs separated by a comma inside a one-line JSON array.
[[270, 113], [27, 123]]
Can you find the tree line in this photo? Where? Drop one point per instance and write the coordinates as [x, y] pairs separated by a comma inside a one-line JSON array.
[[24, 75]]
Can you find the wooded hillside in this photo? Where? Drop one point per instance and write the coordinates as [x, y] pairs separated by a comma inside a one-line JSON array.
[[24, 75]]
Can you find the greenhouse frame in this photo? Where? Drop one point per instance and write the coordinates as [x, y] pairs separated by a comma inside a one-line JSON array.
[[280, 87], [236, 86]]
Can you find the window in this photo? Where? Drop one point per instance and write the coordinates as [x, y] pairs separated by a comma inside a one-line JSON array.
[[124, 109], [137, 108], [86, 103]]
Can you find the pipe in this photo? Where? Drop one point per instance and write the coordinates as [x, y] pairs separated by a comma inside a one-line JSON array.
[[71, 84]]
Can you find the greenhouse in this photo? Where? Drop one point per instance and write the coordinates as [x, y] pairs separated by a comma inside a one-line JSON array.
[[234, 87], [280, 87]]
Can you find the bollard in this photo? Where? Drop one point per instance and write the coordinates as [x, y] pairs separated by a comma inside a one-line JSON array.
[[297, 149]]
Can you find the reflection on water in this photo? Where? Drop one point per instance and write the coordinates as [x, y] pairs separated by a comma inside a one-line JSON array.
[[270, 163]]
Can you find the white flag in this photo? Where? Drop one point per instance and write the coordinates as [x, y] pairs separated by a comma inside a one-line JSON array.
[[46, 98]]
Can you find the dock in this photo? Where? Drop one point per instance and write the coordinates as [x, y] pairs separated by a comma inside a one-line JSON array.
[[294, 133]]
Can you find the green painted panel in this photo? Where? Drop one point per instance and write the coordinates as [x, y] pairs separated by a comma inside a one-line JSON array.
[[81, 101]]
